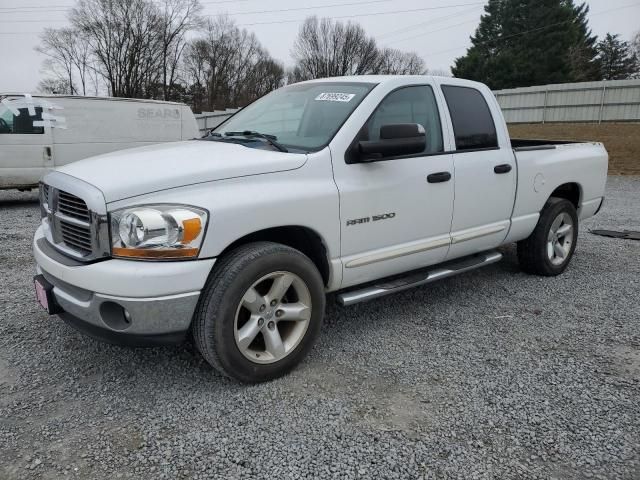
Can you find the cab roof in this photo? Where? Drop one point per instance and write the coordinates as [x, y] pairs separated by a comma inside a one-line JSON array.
[[395, 79]]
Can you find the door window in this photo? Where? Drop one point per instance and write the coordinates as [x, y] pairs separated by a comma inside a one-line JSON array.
[[20, 124], [473, 124], [408, 105]]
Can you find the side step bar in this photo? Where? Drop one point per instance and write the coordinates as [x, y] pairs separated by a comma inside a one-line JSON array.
[[423, 277]]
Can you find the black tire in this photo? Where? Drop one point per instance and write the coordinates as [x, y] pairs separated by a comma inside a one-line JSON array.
[[214, 321], [532, 252]]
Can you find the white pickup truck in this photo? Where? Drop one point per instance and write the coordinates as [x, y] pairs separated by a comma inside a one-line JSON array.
[[362, 186]]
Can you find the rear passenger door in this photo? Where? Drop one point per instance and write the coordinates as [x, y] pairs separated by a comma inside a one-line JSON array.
[[485, 173]]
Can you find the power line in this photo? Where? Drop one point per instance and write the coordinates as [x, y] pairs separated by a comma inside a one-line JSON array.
[[399, 11], [390, 12], [368, 2], [432, 31], [68, 6], [33, 21], [36, 7], [308, 8], [428, 22], [39, 10]]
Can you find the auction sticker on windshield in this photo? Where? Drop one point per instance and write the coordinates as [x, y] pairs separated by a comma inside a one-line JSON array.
[[335, 97]]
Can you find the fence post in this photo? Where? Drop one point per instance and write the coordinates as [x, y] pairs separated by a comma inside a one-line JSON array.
[[544, 107], [604, 90]]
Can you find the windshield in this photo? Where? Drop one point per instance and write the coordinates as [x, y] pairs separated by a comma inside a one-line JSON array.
[[302, 116]]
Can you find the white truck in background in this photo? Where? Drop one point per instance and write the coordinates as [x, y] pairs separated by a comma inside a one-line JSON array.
[[363, 186], [87, 126]]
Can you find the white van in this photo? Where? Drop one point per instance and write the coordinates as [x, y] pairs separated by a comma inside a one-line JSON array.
[[41, 132]]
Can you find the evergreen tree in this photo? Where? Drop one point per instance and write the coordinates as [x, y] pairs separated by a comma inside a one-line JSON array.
[[530, 42], [635, 47], [617, 60]]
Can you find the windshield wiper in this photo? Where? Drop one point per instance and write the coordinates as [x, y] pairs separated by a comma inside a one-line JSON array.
[[270, 139]]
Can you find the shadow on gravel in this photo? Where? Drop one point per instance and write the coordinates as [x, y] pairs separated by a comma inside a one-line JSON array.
[[17, 199], [173, 368]]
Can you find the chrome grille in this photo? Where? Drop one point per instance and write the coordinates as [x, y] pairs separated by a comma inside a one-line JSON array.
[[76, 236], [74, 217], [73, 206]]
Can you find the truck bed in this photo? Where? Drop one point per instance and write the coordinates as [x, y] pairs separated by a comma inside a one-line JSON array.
[[545, 165]]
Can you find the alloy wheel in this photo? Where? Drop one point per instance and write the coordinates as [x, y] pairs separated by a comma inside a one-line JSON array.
[[273, 317], [560, 239]]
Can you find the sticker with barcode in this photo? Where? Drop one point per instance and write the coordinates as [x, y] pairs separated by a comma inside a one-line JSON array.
[[335, 97]]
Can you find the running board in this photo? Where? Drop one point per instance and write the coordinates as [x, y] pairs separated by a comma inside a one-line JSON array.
[[420, 278]]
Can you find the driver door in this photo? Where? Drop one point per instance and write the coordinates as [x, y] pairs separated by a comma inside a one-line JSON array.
[[393, 219]]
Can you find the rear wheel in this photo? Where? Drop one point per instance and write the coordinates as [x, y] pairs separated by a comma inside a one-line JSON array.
[[550, 247], [260, 312]]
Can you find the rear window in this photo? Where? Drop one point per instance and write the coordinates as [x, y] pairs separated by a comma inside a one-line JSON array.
[[19, 124], [473, 124]]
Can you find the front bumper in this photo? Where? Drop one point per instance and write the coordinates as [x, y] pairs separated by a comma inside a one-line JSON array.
[[123, 301]]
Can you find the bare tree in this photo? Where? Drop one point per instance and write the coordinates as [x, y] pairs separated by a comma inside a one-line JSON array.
[[227, 66], [195, 71], [178, 17], [397, 62], [123, 36], [266, 75], [55, 86], [61, 48], [325, 48]]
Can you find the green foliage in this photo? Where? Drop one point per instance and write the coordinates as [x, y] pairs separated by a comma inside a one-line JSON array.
[[617, 59], [525, 42]]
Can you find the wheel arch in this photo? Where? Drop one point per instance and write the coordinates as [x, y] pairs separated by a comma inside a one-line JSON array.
[[571, 191], [304, 239]]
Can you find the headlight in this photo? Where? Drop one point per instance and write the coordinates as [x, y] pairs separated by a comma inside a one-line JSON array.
[[157, 231]]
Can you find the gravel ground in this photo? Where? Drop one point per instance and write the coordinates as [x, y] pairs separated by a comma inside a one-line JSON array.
[[493, 374]]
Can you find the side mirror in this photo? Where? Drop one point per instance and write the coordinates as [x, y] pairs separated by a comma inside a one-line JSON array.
[[395, 140]]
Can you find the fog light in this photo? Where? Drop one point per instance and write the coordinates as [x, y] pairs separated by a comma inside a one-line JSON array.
[[115, 316]]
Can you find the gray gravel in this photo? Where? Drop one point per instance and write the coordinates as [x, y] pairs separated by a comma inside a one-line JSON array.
[[494, 374]]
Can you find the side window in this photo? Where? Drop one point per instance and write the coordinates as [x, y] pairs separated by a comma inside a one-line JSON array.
[[20, 124], [409, 105], [473, 124]]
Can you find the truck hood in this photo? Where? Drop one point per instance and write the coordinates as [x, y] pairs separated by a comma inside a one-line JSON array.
[[127, 173]]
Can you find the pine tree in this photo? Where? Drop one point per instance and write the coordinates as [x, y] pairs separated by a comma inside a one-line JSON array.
[[530, 42], [617, 60], [635, 47]]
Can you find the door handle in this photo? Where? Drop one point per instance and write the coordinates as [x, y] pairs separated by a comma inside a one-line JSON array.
[[439, 177], [504, 168], [47, 154]]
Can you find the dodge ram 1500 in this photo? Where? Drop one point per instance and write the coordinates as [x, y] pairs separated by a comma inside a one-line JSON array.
[[362, 186]]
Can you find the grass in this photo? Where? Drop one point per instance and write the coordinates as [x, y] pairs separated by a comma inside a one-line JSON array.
[[622, 140]]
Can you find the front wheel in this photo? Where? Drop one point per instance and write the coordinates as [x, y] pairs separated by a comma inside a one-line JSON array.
[[549, 249], [260, 312]]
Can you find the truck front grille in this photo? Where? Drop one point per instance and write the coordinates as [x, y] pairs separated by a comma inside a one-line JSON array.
[[76, 236], [71, 226], [73, 206], [45, 194]]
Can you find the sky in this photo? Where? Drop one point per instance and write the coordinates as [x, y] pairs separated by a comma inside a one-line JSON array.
[[437, 30]]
